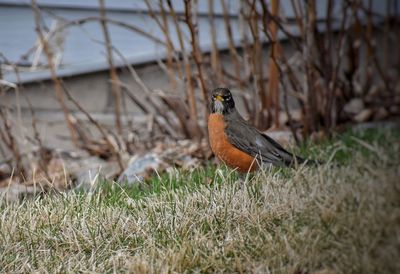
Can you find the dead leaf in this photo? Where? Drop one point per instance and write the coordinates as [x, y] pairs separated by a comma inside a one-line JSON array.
[[354, 106], [364, 115]]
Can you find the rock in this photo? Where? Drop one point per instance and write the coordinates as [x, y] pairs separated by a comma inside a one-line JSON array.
[[140, 168], [354, 106], [363, 116], [165, 156], [86, 180], [90, 170]]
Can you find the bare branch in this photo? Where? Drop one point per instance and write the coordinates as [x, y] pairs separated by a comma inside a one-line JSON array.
[[115, 88], [56, 80]]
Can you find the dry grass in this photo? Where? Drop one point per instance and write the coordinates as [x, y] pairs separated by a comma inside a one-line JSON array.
[[342, 217]]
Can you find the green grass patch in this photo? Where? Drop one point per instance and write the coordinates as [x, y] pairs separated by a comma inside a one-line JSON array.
[[339, 150]]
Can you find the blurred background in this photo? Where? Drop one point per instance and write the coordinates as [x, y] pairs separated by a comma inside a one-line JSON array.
[[98, 84]]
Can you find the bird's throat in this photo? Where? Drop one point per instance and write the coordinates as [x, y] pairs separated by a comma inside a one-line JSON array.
[[218, 107]]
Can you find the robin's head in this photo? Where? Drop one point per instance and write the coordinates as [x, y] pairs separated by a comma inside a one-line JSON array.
[[222, 101]]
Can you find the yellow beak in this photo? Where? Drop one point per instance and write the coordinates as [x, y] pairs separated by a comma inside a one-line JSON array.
[[219, 98]]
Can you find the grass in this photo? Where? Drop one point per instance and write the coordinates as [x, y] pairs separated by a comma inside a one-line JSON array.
[[341, 217]]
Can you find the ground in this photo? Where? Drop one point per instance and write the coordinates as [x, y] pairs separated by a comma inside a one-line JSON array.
[[340, 217]]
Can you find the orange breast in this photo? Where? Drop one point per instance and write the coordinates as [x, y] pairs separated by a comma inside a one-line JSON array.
[[224, 150]]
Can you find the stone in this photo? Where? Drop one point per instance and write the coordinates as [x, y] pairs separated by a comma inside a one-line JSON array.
[[139, 168], [88, 171], [354, 106]]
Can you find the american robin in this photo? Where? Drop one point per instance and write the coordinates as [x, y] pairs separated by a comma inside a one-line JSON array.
[[238, 144]]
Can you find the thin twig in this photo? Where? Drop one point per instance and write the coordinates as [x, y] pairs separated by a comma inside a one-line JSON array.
[[9, 140], [99, 128], [196, 54], [231, 45], [188, 71], [161, 120], [308, 48], [115, 88], [163, 25], [262, 99], [44, 154], [55, 79], [122, 24], [215, 58]]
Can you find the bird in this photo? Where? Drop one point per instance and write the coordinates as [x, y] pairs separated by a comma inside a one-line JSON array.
[[239, 144]]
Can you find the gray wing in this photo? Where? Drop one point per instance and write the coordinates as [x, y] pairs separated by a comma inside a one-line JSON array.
[[248, 139]]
